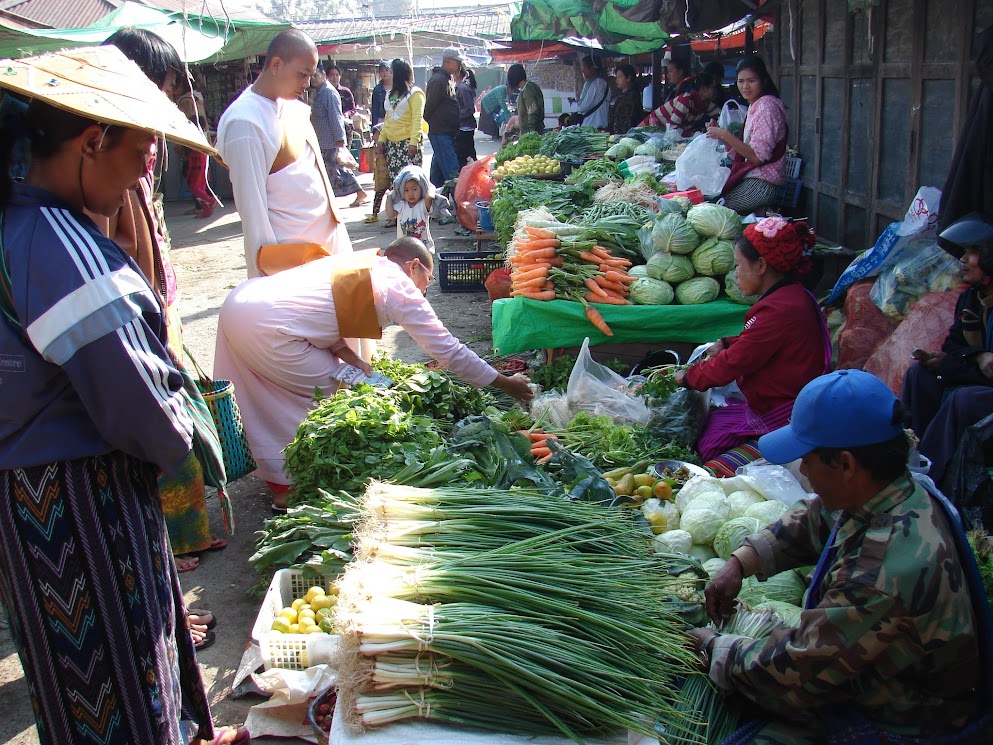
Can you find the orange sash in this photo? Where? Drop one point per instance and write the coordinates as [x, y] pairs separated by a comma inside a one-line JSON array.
[[354, 300]]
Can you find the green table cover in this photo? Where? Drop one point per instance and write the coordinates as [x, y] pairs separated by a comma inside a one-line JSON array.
[[520, 324]]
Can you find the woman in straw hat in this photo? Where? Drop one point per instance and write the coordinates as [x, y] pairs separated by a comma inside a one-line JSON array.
[[91, 414]]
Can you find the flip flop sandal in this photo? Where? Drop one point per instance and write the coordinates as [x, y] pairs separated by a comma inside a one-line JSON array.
[[200, 613], [216, 544], [372, 219], [277, 510], [209, 637]]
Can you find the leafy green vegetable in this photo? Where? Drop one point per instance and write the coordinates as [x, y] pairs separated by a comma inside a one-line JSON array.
[[573, 141], [713, 256], [526, 144], [352, 436], [673, 234], [317, 534], [648, 291], [715, 220], [697, 291], [594, 172], [669, 267], [609, 444], [516, 193]]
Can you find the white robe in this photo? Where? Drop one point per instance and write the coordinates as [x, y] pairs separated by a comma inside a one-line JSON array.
[[292, 205], [274, 340]]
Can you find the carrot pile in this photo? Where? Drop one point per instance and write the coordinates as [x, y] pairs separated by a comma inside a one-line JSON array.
[[547, 265], [539, 444]]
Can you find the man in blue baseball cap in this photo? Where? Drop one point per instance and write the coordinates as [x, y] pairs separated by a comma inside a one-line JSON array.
[[888, 642]]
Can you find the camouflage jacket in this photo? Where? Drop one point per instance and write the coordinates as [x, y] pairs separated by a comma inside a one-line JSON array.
[[894, 634]]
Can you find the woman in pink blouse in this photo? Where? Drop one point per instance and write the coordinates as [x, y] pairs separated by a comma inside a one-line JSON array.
[[759, 160]]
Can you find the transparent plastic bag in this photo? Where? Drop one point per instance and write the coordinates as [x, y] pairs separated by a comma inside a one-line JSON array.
[[772, 482], [701, 165], [920, 268], [599, 390], [681, 419], [733, 113], [723, 395]]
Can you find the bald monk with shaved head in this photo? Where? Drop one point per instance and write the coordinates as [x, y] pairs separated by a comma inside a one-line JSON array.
[[281, 187]]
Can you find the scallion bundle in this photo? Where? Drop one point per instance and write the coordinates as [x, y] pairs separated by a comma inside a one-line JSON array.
[[511, 611]]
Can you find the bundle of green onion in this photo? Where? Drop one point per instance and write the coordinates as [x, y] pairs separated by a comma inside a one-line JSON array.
[[510, 611], [712, 715]]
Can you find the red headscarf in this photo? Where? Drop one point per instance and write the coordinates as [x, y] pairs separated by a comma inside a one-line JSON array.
[[786, 246]]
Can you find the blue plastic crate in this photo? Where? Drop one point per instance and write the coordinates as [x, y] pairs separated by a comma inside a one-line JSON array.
[[788, 195]]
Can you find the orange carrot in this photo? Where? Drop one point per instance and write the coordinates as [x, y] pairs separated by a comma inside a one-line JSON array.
[[557, 261], [602, 252], [609, 300], [528, 277], [540, 253], [597, 320], [593, 287], [536, 282], [623, 278], [544, 459], [540, 452], [537, 243], [533, 295], [535, 436], [586, 256], [617, 262], [606, 284], [539, 232]]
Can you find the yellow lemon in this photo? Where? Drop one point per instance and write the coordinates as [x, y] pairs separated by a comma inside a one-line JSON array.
[[297, 604], [294, 628], [315, 630], [307, 613], [290, 614], [323, 601], [333, 589], [313, 592], [324, 613], [306, 623], [281, 625], [326, 625]]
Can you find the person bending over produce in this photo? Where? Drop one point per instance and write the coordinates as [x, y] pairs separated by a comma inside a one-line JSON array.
[[950, 390], [688, 111], [784, 345], [893, 645], [281, 337]]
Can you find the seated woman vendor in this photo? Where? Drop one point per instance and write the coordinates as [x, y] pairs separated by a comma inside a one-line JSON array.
[[952, 389], [784, 345]]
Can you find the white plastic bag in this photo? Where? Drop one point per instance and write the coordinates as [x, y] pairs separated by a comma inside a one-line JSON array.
[[772, 482], [701, 165], [921, 221], [598, 389], [732, 113]]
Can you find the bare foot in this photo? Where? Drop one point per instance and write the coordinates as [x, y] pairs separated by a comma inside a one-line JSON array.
[[186, 563]]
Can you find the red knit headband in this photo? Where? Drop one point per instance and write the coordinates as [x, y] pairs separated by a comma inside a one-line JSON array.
[[786, 246]]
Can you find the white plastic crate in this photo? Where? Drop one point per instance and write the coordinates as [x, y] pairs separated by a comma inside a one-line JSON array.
[[291, 651]]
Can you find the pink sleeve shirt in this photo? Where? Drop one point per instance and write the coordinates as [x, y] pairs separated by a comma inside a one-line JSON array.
[[765, 126]]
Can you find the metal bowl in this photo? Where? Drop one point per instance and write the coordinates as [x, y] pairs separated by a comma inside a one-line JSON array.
[[658, 470]]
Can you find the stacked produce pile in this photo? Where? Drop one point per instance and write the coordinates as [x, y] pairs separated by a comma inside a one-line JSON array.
[[507, 611], [688, 248], [551, 260]]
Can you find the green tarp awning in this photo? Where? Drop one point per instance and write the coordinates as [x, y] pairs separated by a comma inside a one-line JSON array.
[[621, 26], [198, 39]]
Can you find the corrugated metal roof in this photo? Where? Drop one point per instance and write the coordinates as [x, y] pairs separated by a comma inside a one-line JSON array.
[[59, 13], [490, 24], [237, 10]]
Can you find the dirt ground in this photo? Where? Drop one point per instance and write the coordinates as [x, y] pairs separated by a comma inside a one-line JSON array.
[[209, 261]]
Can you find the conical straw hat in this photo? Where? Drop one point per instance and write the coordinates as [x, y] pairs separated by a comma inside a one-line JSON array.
[[100, 83]]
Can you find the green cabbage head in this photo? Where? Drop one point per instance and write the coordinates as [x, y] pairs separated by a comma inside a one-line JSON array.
[[669, 267], [713, 220], [734, 290], [673, 542], [702, 524], [638, 270], [785, 587], [697, 291], [672, 233], [713, 256], [733, 533], [766, 512], [648, 291]]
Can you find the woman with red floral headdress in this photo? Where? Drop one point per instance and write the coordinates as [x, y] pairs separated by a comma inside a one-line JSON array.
[[784, 345]]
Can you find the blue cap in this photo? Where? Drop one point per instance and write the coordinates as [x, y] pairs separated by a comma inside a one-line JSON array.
[[843, 409]]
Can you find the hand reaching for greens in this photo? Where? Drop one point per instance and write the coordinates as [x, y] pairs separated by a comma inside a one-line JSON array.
[[720, 594], [517, 386]]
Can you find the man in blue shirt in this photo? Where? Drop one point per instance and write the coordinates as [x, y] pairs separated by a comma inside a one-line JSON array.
[[379, 93], [329, 124]]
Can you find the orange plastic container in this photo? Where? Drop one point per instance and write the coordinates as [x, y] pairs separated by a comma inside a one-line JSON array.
[[694, 195]]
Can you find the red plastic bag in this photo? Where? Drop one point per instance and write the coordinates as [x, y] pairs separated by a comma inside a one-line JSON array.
[[498, 284], [925, 326], [474, 184], [865, 327]]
